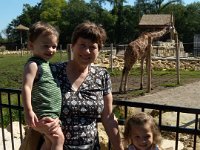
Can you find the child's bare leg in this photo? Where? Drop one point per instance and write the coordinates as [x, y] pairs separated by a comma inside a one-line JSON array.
[[47, 144], [57, 140]]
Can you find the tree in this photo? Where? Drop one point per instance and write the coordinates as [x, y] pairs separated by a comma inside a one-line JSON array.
[[129, 24], [153, 6], [121, 23], [30, 15], [158, 4], [51, 10], [3, 35], [186, 22], [191, 26], [117, 11]]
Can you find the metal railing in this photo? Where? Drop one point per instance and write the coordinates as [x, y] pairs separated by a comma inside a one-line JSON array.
[[164, 108], [7, 107], [10, 106]]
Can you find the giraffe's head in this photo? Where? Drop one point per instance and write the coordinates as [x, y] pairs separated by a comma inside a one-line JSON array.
[[169, 28]]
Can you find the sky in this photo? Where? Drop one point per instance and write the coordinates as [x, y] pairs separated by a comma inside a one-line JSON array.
[[10, 9]]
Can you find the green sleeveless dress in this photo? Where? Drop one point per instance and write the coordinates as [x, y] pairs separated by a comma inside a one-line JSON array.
[[46, 94]]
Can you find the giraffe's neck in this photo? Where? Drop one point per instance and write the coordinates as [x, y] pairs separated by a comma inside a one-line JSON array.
[[157, 34]]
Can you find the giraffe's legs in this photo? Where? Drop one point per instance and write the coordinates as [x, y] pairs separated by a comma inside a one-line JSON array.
[[126, 78]]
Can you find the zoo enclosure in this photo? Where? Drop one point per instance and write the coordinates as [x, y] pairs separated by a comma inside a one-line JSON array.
[[7, 96]]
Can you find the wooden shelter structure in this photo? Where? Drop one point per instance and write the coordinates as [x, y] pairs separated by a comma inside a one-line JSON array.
[[21, 28], [158, 21], [152, 22]]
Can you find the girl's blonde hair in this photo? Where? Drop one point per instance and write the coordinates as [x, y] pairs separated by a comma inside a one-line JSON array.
[[141, 119]]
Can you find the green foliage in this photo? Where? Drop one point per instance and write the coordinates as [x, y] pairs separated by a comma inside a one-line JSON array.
[[118, 112], [51, 10], [115, 72], [138, 92]]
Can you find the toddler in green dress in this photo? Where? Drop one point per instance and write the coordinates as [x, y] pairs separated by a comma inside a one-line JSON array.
[[40, 92]]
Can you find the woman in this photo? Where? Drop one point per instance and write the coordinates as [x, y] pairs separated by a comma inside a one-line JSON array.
[[86, 94]]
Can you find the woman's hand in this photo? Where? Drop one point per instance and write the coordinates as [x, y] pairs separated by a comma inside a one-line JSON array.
[[48, 125]]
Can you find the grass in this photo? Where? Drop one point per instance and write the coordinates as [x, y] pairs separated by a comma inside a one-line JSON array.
[[11, 77], [170, 85], [11, 69]]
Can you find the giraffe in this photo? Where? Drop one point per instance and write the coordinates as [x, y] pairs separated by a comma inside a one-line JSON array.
[[136, 50]]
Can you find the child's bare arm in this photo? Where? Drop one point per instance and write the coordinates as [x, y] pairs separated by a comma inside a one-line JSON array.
[[29, 75]]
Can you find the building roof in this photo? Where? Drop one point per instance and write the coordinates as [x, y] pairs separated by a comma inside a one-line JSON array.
[[21, 27], [155, 20]]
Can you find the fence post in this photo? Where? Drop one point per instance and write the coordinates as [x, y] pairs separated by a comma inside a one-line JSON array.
[[60, 52], [177, 57], [149, 64], [69, 51], [111, 56]]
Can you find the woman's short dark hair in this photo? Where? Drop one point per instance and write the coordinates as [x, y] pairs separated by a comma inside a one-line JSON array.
[[91, 31]]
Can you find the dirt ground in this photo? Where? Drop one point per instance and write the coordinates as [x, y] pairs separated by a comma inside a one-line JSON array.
[[157, 84]]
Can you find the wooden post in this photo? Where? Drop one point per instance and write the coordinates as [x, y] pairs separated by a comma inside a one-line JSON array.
[[60, 52], [21, 50], [149, 65], [69, 51], [177, 57], [111, 56]]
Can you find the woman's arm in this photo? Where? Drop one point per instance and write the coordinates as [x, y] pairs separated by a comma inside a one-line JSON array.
[[110, 123]]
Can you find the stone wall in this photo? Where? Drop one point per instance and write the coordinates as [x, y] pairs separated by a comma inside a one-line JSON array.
[[167, 49], [160, 63]]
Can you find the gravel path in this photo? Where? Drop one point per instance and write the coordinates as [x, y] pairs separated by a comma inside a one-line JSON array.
[[182, 96]]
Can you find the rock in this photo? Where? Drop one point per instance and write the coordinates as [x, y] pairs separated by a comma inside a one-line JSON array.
[[197, 146], [17, 141], [16, 129], [7, 136], [186, 120], [103, 138], [170, 145]]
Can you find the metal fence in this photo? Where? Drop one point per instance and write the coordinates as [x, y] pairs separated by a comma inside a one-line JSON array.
[[10, 102], [164, 108], [10, 110]]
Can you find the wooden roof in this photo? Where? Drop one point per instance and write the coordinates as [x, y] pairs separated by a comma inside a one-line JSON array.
[[21, 27], [155, 20]]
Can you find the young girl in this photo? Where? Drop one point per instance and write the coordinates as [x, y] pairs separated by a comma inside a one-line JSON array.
[[41, 94], [142, 133]]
